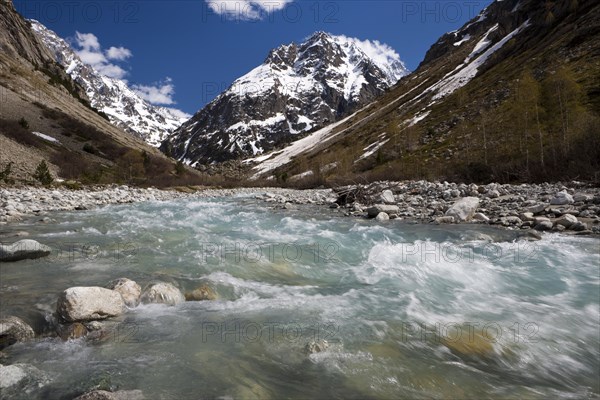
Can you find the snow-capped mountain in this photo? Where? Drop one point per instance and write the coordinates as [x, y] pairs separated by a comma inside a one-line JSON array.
[[298, 88], [124, 108]]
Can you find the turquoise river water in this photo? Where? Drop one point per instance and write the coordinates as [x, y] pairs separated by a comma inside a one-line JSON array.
[[408, 311]]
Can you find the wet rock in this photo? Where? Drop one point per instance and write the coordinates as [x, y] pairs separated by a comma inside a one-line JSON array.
[[444, 220], [162, 293], [464, 209], [105, 395], [543, 226], [530, 236], [317, 346], [469, 345], [71, 331], [374, 211], [561, 199], [129, 290], [567, 220], [23, 250], [19, 378], [202, 293], [579, 226], [382, 217], [13, 330], [78, 304]]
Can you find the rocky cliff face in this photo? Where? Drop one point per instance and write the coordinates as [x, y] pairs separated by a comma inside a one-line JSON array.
[[299, 87], [124, 108]]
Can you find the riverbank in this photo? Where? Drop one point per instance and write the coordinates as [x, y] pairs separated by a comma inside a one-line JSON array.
[[571, 208]]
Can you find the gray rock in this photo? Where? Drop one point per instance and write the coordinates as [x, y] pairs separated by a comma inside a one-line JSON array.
[[567, 220], [580, 197], [78, 304], [162, 293], [20, 378], [526, 216], [387, 197], [578, 226], [543, 226], [379, 208], [480, 217], [13, 330], [493, 194], [561, 199], [536, 209], [444, 220], [129, 290], [23, 250], [382, 217], [464, 209]]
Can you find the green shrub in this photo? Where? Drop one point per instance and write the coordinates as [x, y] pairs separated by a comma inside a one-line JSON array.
[[42, 174]]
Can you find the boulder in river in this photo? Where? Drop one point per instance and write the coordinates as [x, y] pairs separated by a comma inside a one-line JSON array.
[[79, 304], [379, 208], [464, 209], [382, 217], [316, 346], [129, 290], [163, 293], [202, 293], [13, 330], [17, 379], [23, 250], [75, 330]]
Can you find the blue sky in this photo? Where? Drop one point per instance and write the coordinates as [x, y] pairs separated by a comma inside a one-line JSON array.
[[183, 53]]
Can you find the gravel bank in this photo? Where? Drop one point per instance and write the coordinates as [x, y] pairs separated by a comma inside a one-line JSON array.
[[571, 208]]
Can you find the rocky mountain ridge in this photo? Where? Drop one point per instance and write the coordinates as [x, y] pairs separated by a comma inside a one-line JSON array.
[[298, 88]]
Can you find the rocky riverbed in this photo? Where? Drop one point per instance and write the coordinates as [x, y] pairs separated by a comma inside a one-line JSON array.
[[18, 202], [573, 207]]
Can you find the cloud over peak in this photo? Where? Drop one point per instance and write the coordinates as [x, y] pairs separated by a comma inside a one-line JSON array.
[[87, 46], [157, 93], [245, 9]]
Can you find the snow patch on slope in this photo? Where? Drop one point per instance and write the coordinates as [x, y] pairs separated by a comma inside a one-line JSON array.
[[468, 70]]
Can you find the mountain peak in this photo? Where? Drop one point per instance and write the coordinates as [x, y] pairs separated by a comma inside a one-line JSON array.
[[298, 88], [124, 108]]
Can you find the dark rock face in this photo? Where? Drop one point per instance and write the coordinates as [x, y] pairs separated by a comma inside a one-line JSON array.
[[297, 89]]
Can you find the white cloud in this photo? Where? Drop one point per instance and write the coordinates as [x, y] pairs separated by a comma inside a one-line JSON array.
[[182, 115], [87, 41], [158, 93], [381, 53], [246, 9], [118, 53], [89, 50]]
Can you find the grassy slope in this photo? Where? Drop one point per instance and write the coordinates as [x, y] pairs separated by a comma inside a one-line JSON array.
[[448, 144]]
